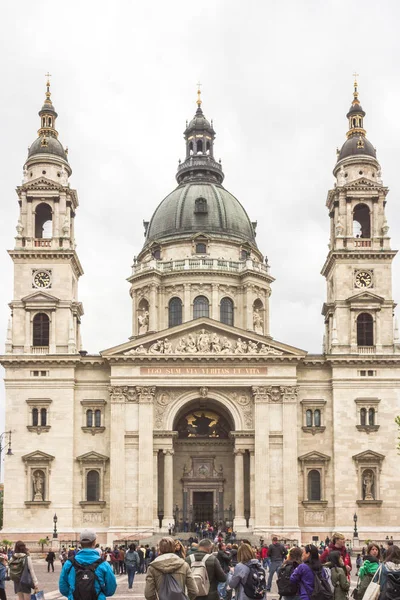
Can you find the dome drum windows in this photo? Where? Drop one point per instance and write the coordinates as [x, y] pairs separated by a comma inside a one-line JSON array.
[[201, 307], [367, 414], [174, 312], [313, 416], [93, 416], [39, 416], [227, 311]]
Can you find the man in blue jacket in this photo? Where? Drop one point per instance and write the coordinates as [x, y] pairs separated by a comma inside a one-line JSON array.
[[105, 582]]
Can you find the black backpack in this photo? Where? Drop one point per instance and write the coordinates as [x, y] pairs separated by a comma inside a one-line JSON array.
[[392, 587], [256, 585], [322, 589], [85, 578], [170, 589], [285, 586]]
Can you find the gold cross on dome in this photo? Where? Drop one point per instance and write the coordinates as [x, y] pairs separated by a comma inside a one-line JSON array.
[[199, 102]]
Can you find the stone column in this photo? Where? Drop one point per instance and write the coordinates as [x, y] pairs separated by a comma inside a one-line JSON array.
[[168, 488], [134, 314], [117, 458], [374, 218], [186, 303], [378, 332], [56, 218], [349, 219], [239, 522], [153, 308], [214, 302], [29, 219], [53, 337], [155, 490], [248, 308], [145, 479], [252, 482], [261, 459], [290, 467], [28, 341]]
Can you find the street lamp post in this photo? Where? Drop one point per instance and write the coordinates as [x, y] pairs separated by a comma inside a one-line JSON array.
[[3, 446], [355, 534], [55, 534]]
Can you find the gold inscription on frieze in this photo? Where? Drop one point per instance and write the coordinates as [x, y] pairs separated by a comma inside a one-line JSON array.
[[179, 371]]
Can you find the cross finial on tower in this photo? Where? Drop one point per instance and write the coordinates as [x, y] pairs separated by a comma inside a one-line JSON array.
[[48, 93], [199, 101], [355, 93]]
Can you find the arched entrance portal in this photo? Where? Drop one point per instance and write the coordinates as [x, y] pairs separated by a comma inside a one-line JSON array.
[[203, 465]]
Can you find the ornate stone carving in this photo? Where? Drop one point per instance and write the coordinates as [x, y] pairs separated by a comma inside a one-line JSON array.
[[162, 401], [259, 394], [143, 321], [203, 392], [205, 342], [368, 482], [122, 394], [245, 403], [38, 479], [145, 394], [290, 393]]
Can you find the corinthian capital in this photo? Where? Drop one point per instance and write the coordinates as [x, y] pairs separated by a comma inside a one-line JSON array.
[[260, 394], [290, 393], [146, 394]]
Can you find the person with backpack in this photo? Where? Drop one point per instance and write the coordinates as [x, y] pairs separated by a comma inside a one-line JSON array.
[[339, 579], [248, 577], [287, 589], [22, 572], [50, 558], [3, 576], [206, 569], [310, 577], [86, 576], [169, 575], [338, 543], [368, 569], [132, 563], [276, 554], [390, 575]]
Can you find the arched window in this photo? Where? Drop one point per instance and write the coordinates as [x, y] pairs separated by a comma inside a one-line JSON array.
[[191, 148], [199, 146], [174, 312], [365, 330], [93, 486], [43, 417], [309, 418], [201, 248], [317, 418], [200, 206], [363, 416], [244, 254], [156, 253], [314, 485], [201, 307], [226, 311], [41, 330], [35, 417], [43, 221], [371, 416], [89, 418], [208, 147], [97, 418], [361, 221]]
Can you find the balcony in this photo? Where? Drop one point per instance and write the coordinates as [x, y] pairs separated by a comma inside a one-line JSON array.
[[40, 349], [366, 349], [201, 264], [42, 243]]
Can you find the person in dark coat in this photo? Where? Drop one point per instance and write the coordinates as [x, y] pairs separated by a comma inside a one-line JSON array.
[[50, 558], [214, 569], [338, 543], [224, 557]]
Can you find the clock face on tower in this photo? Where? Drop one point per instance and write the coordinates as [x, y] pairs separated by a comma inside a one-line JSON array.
[[41, 279], [363, 279]]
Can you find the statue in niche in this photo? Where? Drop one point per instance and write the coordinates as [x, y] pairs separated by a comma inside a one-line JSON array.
[[143, 322], [202, 424], [368, 482], [38, 486], [20, 228], [339, 228], [258, 322], [65, 227]]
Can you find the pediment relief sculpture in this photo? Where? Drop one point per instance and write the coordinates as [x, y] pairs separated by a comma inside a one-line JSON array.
[[205, 342]]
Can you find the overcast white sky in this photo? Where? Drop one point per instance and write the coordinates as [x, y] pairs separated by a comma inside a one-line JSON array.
[[277, 80]]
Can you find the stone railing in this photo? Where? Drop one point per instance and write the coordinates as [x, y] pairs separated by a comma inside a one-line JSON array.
[[40, 349], [202, 264], [366, 349], [199, 162]]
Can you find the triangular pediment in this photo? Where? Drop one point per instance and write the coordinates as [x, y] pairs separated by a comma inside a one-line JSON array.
[[369, 456], [40, 297], [92, 457], [203, 337], [314, 457], [37, 456], [43, 183], [366, 297], [362, 183]]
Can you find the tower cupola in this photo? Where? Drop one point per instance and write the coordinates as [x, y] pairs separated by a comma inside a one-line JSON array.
[[199, 163]]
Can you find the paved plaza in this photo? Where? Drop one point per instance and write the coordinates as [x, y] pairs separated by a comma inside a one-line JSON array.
[[49, 583]]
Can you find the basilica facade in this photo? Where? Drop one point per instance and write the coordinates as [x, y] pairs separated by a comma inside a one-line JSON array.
[[201, 414]]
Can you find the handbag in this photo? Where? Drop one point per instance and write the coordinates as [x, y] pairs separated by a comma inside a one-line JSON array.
[[37, 596], [374, 589], [26, 577]]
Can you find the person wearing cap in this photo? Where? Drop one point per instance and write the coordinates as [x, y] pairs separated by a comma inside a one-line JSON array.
[[338, 543], [105, 583], [3, 575]]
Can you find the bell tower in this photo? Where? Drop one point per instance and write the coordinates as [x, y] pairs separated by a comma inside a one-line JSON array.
[[359, 311], [45, 312]]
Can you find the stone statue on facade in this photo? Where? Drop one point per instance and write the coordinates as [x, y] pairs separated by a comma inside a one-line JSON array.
[[203, 342], [65, 227], [258, 322], [20, 228], [143, 322], [339, 228], [368, 482], [38, 486]]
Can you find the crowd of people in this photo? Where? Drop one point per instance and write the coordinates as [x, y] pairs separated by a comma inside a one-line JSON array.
[[211, 569]]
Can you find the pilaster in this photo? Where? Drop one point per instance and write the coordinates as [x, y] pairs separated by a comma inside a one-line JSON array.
[[145, 479], [261, 459]]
